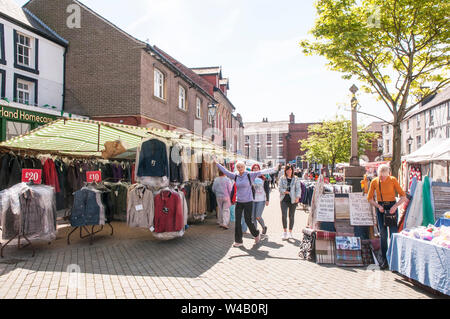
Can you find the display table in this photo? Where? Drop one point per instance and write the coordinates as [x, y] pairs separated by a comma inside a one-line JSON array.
[[442, 222], [420, 260]]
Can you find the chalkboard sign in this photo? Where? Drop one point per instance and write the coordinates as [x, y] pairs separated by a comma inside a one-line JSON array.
[[360, 210], [325, 211]]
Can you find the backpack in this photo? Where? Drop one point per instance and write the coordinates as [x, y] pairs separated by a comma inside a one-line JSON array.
[[234, 190]]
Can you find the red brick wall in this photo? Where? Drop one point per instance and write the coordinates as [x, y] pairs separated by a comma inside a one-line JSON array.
[[298, 131], [102, 64]]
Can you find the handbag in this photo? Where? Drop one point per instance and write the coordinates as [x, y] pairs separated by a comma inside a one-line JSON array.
[[390, 220]]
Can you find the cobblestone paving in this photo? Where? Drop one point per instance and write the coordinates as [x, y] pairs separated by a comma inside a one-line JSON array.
[[202, 264]]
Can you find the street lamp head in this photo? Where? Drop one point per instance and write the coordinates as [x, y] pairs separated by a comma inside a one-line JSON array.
[[354, 89], [212, 109]]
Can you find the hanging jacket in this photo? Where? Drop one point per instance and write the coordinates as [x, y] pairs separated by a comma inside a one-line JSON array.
[[168, 212], [50, 175], [140, 206], [176, 169], [4, 171], [153, 159]]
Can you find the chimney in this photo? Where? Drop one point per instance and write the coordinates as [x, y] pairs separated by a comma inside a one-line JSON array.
[[292, 118]]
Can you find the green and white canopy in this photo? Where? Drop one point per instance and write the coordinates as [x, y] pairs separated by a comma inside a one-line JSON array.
[[78, 137]]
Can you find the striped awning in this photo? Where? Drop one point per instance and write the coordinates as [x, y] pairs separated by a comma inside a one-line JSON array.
[[78, 137]]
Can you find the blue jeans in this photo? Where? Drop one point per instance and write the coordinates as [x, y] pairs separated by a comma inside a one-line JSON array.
[[384, 230], [258, 208]]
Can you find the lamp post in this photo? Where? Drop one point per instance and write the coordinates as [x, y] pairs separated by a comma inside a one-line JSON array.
[[212, 110]]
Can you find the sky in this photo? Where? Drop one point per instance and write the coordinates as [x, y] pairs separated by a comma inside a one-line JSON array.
[[256, 44]]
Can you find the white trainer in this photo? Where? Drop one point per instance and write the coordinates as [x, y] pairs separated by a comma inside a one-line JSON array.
[[290, 236], [285, 236]]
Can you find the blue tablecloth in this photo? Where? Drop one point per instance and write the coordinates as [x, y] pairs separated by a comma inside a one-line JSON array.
[[442, 221], [420, 260]]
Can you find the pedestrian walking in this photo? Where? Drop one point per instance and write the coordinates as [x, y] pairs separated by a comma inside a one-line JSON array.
[[262, 196], [386, 187], [222, 187], [290, 193], [244, 199]]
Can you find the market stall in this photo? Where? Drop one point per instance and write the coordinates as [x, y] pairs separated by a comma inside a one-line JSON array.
[[100, 172], [423, 255]]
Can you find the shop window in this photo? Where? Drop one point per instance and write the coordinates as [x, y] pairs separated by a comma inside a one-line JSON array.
[[159, 84], [14, 129]]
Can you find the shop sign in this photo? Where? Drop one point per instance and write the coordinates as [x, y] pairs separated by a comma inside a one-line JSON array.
[[325, 211], [34, 175], [93, 176], [360, 210], [13, 114]]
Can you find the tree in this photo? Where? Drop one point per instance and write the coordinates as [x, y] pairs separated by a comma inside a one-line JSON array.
[[399, 49], [330, 142]]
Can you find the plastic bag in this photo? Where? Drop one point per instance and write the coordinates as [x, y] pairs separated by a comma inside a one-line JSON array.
[[232, 210]]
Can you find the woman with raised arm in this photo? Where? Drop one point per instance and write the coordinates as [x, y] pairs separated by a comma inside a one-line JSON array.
[[244, 199]]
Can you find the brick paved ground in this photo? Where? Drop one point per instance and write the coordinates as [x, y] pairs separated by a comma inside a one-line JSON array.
[[202, 264]]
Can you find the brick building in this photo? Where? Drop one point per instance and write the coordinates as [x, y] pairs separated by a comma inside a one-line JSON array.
[[297, 131], [112, 76]]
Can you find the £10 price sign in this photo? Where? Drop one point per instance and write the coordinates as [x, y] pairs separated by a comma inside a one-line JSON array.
[[34, 175], [93, 176]]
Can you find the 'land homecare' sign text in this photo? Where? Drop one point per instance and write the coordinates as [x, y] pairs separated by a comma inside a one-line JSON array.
[[23, 115]]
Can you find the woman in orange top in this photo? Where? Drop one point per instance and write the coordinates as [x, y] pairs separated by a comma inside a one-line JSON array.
[[386, 187]]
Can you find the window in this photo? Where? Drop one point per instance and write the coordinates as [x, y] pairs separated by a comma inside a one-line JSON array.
[[23, 50], [387, 146], [418, 121], [407, 125], [14, 129], [269, 152], [431, 117], [159, 84], [23, 92], [269, 137], [387, 129], [247, 139], [2, 83], [2, 44], [280, 138], [257, 138], [419, 141], [448, 131], [198, 108], [258, 153], [448, 110], [182, 98], [280, 151], [409, 148]]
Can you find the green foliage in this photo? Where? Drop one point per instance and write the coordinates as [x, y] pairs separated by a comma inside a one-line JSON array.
[[395, 47], [330, 141]]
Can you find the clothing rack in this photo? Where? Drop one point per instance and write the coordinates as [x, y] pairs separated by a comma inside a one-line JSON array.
[[90, 234], [18, 236]]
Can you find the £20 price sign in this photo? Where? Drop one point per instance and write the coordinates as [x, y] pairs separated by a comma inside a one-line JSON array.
[[34, 175]]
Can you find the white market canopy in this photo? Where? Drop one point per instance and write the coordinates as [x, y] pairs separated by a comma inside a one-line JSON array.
[[437, 149], [78, 137]]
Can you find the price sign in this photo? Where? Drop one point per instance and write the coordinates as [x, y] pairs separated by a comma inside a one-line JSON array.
[[93, 176], [34, 175]]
